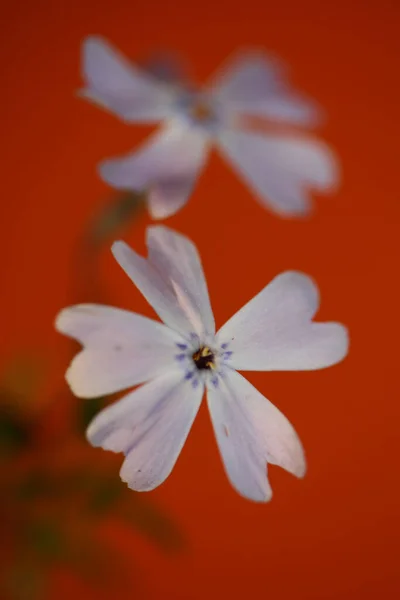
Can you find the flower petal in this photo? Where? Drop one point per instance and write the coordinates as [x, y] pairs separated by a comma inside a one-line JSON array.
[[167, 166], [255, 84], [274, 332], [119, 86], [287, 108], [150, 426], [250, 432], [177, 258], [121, 349], [156, 287], [248, 77], [279, 169]]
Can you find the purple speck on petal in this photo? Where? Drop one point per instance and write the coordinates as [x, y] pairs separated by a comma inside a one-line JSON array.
[[227, 354], [181, 346], [214, 381], [223, 346], [195, 383], [180, 356], [189, 375], [194, 336]]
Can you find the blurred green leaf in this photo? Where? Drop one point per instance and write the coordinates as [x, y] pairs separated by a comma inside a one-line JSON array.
[[106, 225], [54, 538], [112, 497], [92, 559], [52, 542], [21, 379], [24, 581], [15, 434], [104, 495], [86, 411], [36, 484], [47, 539], [115, 215], [152, 522], [19, 387]]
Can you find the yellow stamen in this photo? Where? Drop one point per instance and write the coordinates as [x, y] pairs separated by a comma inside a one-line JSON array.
[[200, 358]]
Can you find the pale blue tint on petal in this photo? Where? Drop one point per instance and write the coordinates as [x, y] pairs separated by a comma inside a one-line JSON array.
[[250, 76], [250, 432], [116, 84], [166, 166], [256, 84], [177, 257], [281, 169], [156, 286], [121, 349], [291, 109], [274, 331], [150, 427]]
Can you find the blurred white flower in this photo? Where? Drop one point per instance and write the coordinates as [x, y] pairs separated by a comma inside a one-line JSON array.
[[278, 167], [177, 360]]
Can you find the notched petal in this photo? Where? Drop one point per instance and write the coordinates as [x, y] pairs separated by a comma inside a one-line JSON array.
[[252, 432], [117, 85], [274, 331], [150, 427], [121, 348], [281, 169]]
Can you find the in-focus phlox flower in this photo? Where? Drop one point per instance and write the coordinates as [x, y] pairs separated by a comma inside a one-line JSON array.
[[180, 358]]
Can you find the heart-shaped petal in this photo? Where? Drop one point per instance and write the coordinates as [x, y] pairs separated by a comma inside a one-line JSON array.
[[274, 331], [280, 169], [167, 165], [114, 83]]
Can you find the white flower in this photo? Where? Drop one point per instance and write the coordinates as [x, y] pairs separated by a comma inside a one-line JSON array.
[[279, 168], [177, 360]]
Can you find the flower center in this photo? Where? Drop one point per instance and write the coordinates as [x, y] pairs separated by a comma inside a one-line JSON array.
[[203, 358], [201, 112]]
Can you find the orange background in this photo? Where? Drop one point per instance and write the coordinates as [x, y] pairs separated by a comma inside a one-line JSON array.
[[335, 534]]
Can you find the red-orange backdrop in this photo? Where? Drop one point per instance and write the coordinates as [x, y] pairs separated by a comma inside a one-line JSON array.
[[335, 534]]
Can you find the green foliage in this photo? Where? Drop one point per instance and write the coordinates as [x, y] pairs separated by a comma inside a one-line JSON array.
[[46, 538], [86, 410], [15, 435], [24, 580], [19, 385], [156, 525], [115, 216], [52, 513]]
